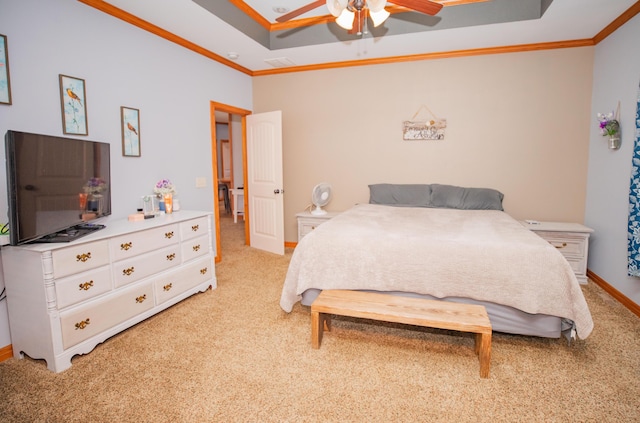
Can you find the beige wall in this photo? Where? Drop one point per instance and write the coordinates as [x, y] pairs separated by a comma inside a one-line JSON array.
[[517, 122]]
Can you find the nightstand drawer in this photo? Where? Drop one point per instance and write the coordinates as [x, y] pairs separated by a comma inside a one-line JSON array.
[[570, 239], [568, 245], [305, 228], [308, 222]]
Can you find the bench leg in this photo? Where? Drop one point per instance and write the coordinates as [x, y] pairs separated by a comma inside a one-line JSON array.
[[319, 323], [483, 349]]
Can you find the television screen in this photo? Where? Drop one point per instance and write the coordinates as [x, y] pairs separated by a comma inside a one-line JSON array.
[[55, 186]]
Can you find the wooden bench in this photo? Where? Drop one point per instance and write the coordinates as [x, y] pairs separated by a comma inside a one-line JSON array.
[[407, 310]]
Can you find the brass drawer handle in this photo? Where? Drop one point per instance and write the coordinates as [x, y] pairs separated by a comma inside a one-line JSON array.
[[564, 244], [168, 287], [171, 256], [83, 257], [83, 324], [129, 271], [141, 298], [195, 228], [168, 235], [85, 286], [203, 271], [126, 246], [196, 247]]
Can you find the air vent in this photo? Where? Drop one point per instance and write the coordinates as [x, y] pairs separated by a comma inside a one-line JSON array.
[[280, 62]]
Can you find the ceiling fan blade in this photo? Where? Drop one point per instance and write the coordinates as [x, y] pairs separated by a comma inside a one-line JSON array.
[[422, 6], [304, 9]]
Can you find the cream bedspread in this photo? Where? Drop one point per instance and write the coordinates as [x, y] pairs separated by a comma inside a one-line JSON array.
[[480, 254]]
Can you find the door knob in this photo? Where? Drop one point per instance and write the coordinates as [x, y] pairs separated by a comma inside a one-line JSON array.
[[276, 191]]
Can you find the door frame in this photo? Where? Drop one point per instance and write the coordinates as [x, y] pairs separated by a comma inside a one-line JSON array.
[[232, 110]]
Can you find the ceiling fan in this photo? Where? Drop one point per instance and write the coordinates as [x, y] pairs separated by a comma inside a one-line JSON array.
[[350, 14]]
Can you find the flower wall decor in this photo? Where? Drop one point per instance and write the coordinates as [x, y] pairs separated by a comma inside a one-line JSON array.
[[610, 127]]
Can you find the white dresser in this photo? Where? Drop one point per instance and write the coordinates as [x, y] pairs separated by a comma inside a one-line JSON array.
[[307, 222], [66, 298], [571, 239]]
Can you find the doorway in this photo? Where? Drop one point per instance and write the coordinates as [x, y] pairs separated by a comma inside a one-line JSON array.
[[235, 118]]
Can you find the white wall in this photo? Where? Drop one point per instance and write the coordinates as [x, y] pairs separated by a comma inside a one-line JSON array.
[[616, 77], [122, 66]]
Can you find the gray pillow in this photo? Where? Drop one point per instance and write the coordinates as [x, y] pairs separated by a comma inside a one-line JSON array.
[[406, 195], [453, 197]]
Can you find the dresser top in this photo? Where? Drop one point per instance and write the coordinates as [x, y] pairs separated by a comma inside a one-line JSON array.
[[556, 227], [115, 226]]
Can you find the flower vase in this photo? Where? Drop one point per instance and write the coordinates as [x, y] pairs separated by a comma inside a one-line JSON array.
[[614, 141]]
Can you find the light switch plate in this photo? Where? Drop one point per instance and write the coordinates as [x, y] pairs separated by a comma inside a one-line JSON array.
[[201, 182]]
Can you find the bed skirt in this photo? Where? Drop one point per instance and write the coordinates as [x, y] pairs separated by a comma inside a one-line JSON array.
[[503, 318]]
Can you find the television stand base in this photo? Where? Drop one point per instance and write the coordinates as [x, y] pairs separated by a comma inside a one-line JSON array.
[[70, 234]]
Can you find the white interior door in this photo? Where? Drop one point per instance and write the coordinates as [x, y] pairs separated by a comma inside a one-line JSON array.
[[265, 182]]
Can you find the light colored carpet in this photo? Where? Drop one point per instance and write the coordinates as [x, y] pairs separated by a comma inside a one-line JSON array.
[[232, 355]]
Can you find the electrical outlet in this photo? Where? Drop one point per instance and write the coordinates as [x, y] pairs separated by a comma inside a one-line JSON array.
[[201, 182]]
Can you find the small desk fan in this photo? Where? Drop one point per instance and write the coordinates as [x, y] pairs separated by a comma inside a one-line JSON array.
[[320, 197]]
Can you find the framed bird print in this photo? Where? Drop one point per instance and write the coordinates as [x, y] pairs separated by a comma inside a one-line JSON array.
[[5, 84], [130, 131], [74, 106]]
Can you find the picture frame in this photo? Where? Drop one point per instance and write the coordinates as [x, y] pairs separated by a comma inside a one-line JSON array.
[[73, 102], [130, 126], [5, 80]]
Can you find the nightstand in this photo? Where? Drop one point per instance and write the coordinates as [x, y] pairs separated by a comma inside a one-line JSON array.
[[307, 222], [571, 239]]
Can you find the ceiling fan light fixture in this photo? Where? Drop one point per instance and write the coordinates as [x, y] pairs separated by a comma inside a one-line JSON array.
[[336, 6], [376, 5], [345, 20], [378, 17]]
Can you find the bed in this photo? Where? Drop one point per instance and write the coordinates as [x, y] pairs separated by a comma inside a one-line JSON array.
[[447, 243]]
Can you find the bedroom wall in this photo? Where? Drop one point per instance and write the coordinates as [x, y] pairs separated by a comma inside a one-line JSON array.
[[122, 66], [519, 123], [616, 78]]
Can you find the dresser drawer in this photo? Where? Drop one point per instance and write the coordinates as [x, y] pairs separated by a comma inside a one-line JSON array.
[[178, 281], [193, 228], [134, 269], [83, 286], [195, 247], [88, 320], [136, 243], [569, 245], [79, 258]]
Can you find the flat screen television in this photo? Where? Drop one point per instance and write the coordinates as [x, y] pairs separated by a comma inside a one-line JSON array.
[[56, 186]]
